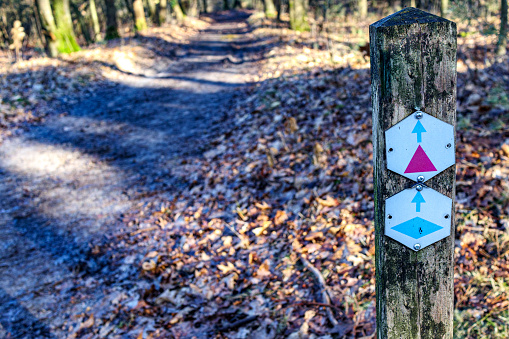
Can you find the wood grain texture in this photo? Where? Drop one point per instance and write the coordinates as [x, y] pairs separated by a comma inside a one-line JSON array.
[[413, 65]]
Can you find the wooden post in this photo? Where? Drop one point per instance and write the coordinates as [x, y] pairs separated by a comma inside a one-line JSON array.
[[413, 66]]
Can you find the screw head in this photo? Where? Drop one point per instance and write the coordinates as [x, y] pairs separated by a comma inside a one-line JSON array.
[[446, 216], [419, 115], [420, 178], [417, 247], [419, 187], [448, 145]]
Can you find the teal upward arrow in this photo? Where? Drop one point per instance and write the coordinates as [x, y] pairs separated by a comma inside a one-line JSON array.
[[419, 129], [418, 200]]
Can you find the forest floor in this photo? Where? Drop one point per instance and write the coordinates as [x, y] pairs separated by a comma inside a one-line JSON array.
[[185, 183]]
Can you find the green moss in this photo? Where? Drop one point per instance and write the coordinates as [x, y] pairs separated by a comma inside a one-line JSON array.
[[66, 41], [140, 25]]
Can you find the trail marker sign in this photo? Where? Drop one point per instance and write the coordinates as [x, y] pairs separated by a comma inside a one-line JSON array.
[[420, 145], [418, 217]]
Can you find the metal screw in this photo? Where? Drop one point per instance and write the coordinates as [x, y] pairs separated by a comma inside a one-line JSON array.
[[448, 146], [419, 187], [446, 216], [389, 216], [419, 115], [417, 247], [420, 178], [390, 150]]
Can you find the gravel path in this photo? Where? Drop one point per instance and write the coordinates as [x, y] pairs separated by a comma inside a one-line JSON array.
[[65, 183]]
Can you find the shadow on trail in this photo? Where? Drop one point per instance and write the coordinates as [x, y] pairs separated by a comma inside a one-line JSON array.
[[66, 182]]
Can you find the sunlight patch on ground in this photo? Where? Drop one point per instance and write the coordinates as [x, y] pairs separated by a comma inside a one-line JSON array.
[[75, 185]]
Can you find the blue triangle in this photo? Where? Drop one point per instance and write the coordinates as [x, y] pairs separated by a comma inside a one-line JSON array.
[[417, 227]]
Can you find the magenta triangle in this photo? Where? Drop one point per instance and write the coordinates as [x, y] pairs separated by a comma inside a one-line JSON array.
[[420, 162]]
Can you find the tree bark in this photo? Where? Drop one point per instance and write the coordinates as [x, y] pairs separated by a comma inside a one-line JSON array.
[[139, 16], [298, 15], [66, 40], [502, 36], [269, 8], [162, 10], [205, 5], [111, 20], [95, 21], [48, 26], [413, 65]]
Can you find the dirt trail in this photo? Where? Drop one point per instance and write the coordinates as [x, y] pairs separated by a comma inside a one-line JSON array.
[[65, 183]]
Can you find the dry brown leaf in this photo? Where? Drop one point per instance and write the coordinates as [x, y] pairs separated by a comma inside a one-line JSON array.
[[328, 201], [264, 270]]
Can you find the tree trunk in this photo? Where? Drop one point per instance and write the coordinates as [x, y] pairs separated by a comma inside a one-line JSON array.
[[179, 14], [279, 7], [38, 25], [226, 5], [269, 8], [66, 40], [444, 6], [502, 37], [205, 5], [298, 15], [152, 13], [129, 5], [95, 21], [363, 8], [237, 4], [83, 24], [111, 20], [139, 16], [162, 10], [192, 10], [49, 27]]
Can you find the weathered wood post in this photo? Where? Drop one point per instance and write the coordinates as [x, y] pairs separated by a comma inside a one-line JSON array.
[[413, 69]]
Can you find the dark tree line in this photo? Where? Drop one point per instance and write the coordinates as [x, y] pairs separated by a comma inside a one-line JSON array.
[[62, 25]]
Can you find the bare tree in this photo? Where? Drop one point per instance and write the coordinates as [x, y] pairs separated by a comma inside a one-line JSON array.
[[269, 8], [502, 36], [66, 41], [298, 15], [139, 16], [362, 6], [152, 12], [444, 5], [95, 20], [162, 10], [49, 27], [111, 20]]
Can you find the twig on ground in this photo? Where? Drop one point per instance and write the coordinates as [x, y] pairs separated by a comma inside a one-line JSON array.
[[323, 287], [239, 323], [144, 230]]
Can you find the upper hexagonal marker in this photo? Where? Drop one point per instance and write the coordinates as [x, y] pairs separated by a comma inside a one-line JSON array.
[[420, 145]]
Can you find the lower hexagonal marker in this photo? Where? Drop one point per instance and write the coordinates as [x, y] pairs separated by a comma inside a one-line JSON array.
[[418, 217]]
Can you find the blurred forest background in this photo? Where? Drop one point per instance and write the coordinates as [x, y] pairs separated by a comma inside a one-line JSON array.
[[203, 168]]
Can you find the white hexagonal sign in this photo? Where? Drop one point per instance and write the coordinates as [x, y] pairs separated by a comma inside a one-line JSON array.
[[420, 145], [418, 217]]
